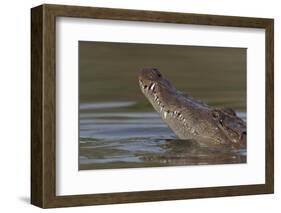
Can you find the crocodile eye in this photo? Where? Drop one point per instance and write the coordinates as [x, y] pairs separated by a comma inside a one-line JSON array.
[[215, 114]]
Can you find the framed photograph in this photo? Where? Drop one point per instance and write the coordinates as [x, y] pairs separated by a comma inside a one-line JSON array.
[[137, 106]]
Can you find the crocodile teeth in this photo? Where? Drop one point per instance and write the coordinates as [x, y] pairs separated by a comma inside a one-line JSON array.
[[152, 86], [165, 115]]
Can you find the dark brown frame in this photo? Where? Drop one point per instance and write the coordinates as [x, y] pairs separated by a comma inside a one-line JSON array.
[[43, 105]]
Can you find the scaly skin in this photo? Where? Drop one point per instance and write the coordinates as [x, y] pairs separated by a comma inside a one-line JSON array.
[[190, 118]]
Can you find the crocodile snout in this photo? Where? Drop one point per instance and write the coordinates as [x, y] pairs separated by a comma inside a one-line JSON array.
[[150, 74]]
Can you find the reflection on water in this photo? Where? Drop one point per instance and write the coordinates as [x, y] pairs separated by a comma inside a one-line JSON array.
[[125, 139]]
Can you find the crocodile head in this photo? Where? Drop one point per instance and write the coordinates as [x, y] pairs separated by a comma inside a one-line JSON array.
[[187, 117], [158, 90]]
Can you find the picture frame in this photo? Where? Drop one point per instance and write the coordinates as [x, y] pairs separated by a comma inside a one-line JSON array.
[[43, 105]]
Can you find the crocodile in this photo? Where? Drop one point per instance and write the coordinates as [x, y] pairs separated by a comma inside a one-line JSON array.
[[189, 118]]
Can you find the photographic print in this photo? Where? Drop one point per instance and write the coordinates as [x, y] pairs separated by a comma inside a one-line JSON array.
[[134, 106], [154, 105]]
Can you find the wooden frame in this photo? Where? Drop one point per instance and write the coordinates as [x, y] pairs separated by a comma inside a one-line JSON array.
[[43, 106]]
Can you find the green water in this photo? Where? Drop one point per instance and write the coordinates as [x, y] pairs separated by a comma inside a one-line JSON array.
[[118, 126]]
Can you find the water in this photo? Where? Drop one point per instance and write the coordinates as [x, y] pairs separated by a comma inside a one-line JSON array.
[[140, 139]]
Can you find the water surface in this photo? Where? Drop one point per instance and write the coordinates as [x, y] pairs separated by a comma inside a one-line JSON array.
[[140, 139]]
